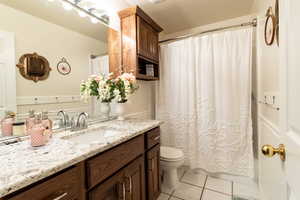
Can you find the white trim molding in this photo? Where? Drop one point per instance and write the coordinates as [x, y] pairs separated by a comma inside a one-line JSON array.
[[38, 100], [269, 124]]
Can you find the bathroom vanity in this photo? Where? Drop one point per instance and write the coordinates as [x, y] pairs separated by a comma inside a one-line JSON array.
[[122, 164]]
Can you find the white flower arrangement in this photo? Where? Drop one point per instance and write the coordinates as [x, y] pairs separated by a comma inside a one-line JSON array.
[[98, 86], [125, 85], [107, 89]]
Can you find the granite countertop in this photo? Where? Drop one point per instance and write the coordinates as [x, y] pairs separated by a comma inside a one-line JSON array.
[[22, 165]]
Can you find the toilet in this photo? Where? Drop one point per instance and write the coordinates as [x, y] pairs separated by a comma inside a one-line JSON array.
[[170, 160]]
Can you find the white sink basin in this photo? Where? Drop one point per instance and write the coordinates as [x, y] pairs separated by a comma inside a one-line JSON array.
[[101, 136]]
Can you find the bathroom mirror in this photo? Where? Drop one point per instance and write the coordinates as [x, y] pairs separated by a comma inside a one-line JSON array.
[[35, 35], [34, 67]]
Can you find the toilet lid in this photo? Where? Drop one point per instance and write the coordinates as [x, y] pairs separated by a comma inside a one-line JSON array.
[[169, 153]]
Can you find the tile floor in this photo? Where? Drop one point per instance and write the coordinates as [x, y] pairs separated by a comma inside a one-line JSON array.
[[196, 185]]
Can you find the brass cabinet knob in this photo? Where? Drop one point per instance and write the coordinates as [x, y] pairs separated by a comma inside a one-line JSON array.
[[270, 151]]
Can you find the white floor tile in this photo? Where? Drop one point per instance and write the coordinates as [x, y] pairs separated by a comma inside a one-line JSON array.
[[182, 170], [219, 185], [174, 198], [165, 189], [188, 192], [196, 178], [211, 195], [163, 197], [245, 190]]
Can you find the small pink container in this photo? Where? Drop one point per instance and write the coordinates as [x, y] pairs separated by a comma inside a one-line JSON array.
[[29, 125], [37, 136], [7, 127]]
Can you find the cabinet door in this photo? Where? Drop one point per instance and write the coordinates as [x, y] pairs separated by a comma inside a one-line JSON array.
[[135, 180], [154, 42], [112, 189], [153, 177], [143, 40], [147, 40]]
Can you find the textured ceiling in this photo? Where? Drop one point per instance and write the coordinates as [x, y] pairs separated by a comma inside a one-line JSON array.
[[177, 15]]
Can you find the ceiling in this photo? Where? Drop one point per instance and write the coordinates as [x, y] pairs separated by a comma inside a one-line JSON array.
[[177, 15], [172, 15], [54, 13]]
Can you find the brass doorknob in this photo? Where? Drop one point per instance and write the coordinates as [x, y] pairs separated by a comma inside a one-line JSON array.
[[270, 151]]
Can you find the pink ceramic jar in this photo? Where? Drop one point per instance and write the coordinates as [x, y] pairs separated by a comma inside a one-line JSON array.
[[7, 127], [37, 136], [30, 121]]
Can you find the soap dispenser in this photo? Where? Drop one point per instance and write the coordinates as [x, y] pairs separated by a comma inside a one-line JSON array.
[[30, 121], [7, 124], [47, 124], [37, 132]]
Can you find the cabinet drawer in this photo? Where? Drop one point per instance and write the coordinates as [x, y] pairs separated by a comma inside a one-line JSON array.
[[104, 165], [66, 186], [152, 138]]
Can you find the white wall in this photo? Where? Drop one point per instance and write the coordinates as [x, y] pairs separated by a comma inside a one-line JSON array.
[[267, 61], [234, 21], [33, 34], [267, 80], [53, 42]]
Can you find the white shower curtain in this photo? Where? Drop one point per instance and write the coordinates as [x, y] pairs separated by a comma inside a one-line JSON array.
[[204, 98]]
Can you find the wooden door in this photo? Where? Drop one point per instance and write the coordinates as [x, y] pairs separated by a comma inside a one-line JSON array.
[[147, 40], [153, 177], [152, 38], [135, 180], [112, 189], [155, 52], [143, 37]]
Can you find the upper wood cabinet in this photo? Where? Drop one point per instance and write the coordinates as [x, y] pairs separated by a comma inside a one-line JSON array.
[[139, 44], [147, 43]]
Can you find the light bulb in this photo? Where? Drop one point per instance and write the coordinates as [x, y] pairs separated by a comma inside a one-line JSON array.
[[67, 6], [94, 20], [81, 13]]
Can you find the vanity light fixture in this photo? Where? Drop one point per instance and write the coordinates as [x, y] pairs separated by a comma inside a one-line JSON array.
[[66, 6], [83, 10]]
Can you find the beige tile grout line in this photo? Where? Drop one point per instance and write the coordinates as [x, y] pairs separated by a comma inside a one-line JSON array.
[[171, 195], [204, 187], [232, 190]]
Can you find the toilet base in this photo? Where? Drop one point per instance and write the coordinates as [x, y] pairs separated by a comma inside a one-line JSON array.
[[170, 178]]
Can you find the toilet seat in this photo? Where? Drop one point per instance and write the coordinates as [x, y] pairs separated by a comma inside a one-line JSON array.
[[170, 154]]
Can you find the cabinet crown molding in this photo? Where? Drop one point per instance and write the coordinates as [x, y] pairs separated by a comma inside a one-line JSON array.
[[136, 10]]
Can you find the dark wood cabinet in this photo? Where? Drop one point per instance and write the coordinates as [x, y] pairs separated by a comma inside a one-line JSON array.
[[112, 189], [138, 45], [153, 173], [135, 180], [127, 184], [104, 165], [129, 171], [67, 185], [147, 40]]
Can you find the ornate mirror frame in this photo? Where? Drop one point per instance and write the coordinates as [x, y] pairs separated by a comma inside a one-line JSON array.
[[23, 67]]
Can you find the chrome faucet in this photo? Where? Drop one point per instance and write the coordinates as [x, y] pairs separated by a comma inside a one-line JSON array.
[[81, 122], [65, 118]]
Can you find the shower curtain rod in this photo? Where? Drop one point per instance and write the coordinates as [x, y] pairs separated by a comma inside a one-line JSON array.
[[252, 23], [96, 56]]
